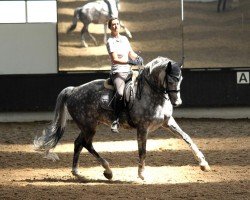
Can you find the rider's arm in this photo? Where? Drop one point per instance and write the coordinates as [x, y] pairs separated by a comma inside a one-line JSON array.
[[132, 55], [116, 60]]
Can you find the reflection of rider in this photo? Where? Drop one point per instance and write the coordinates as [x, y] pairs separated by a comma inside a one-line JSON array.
[[122, 56]]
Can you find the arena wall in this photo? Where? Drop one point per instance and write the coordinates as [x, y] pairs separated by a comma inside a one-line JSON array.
[[202, 89]]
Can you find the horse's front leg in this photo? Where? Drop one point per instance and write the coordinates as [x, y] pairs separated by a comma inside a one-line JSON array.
[[173, 126], [142, 141], [105, 34]]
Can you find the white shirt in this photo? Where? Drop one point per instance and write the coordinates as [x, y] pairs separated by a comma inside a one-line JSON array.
[[122, 47]]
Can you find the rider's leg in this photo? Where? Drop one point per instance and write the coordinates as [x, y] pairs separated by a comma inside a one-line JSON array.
[[119, 83], [118, 106]]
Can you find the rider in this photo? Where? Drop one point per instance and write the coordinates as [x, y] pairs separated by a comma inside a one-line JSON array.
[[122, 56]]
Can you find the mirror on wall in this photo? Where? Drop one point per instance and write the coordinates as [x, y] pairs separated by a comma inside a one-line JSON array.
[[207, 37], [154, 25], [216, 33]]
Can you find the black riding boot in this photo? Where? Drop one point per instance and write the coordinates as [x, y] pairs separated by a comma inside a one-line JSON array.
[[118, 106]]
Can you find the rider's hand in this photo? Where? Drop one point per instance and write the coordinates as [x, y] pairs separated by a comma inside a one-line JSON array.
[[132, 62], [139, 60]]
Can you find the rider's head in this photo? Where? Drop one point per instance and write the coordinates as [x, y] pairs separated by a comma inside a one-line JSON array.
[[113, 21]]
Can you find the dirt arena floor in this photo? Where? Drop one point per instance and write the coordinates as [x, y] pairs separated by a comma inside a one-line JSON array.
[[211, 39], [171, 172]]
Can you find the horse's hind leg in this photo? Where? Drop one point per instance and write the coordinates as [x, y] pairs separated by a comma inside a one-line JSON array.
[[90, 35], [77, 150], [218, 5], [83, 42], [224, 5], [107, 172], [85, 140], [197, 153]]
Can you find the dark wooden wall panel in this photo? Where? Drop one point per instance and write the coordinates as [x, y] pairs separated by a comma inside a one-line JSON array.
[[205, 88]]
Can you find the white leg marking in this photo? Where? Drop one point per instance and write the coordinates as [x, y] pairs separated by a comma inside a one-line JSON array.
[[197, 153]]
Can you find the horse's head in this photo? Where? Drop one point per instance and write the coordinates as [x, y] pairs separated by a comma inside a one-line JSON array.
[[166, 77], [173, 79]]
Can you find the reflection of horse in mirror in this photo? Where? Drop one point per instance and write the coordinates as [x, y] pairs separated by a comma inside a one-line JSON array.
[[155, 90], [219, 5], [97, 12]]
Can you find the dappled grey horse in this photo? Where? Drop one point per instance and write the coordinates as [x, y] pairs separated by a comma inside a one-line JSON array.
[[97, 12], [155, 91]]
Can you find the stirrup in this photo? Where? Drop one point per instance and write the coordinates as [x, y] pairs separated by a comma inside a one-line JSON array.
[[115, 126]]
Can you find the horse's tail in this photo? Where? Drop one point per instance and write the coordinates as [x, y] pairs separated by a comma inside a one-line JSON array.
[[75, 19], [53, 133]]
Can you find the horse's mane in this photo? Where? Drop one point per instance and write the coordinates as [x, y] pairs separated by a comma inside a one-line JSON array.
[[159, 61]]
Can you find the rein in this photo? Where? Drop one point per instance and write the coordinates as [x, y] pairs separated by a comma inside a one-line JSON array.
[[153, 86], [163, 92]]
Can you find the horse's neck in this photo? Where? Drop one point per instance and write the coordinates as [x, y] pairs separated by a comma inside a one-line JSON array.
[[114, 5], [117, 3], [146, 83]]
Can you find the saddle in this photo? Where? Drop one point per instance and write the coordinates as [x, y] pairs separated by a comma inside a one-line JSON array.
[[108, 93]]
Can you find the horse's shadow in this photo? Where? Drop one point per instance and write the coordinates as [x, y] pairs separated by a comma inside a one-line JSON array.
[[77, 179]]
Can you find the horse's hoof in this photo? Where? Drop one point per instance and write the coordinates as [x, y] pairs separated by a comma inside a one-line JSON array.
[[84, 45], [108, 175], [75, 173], [205, 168], [141, 177]]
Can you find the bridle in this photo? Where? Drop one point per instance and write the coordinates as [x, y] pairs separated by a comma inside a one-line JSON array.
[[163, 91], [173, 77]]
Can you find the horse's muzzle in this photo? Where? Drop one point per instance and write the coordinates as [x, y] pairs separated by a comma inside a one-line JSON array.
[[177, 103]]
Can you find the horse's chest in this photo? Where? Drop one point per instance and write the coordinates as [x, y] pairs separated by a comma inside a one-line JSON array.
[[157, 113], [167, 109]]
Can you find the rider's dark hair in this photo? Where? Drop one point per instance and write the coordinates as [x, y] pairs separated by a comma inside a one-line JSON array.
[[110, 21]]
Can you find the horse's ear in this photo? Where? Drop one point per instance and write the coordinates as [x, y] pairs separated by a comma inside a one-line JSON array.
[[181, 64], [169, 67]]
